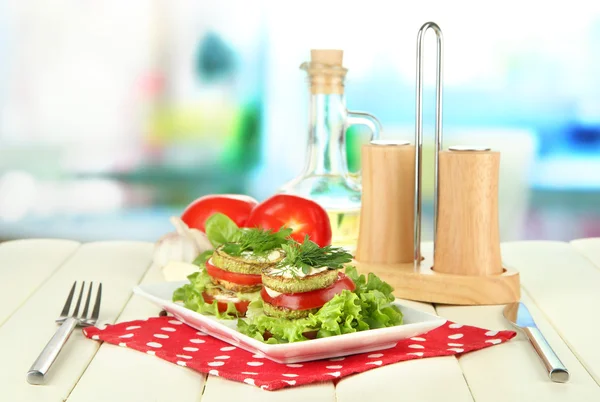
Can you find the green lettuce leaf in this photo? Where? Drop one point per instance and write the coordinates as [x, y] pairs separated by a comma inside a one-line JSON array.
[[190, 295], [202, 258], [220, 229], [367, 307]]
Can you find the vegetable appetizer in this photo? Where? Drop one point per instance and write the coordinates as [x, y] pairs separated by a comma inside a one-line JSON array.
[[282, 290]]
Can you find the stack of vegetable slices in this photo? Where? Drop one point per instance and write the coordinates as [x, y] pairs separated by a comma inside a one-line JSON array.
[[302, 292]]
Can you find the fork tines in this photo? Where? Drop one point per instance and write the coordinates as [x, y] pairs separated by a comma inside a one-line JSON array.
[[84, 318]]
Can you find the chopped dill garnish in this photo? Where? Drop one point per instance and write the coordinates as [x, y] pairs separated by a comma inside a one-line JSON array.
[[308, 255], [258, 241]]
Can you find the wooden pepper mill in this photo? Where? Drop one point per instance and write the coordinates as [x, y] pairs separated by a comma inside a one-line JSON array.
[[387, 212], [467, 233]]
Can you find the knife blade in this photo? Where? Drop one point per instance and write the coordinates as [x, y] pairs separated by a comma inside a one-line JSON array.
[[518, 314]]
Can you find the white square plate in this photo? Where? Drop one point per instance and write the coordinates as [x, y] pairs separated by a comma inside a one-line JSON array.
[[415, 323]]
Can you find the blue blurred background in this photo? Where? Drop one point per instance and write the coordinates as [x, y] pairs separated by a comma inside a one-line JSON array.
[[114, 115]]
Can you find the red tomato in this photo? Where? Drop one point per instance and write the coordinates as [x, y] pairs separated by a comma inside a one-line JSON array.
[[241, 306], [303, 216], [235, 206], [312, 299], [235, 277]]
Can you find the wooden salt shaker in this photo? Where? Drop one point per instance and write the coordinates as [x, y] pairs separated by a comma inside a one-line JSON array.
[[467, 234], [387, 210]]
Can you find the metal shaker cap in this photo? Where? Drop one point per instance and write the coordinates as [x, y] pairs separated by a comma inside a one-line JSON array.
[[469, 148], [397, 143]]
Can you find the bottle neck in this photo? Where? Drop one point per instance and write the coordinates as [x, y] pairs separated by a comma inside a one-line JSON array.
[[326, 145]]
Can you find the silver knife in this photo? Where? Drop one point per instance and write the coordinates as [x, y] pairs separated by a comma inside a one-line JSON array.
[[519, 316]]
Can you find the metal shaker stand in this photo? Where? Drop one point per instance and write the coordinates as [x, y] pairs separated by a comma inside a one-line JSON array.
[[419, 131]]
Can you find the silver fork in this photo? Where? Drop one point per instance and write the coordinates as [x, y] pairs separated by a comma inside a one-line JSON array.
[[37, 373]]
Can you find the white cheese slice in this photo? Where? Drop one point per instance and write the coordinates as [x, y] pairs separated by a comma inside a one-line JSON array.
[[294, 272], [225, 298], [271, 292], [273, 256]]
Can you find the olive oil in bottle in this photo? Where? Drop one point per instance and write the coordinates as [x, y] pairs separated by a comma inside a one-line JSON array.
[[344, 227]]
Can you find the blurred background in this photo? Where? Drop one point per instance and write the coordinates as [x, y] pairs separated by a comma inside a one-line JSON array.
[[114, 115]]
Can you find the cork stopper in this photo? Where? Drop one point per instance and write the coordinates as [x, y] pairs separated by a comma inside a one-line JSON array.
[[325, 71], [331, 57]]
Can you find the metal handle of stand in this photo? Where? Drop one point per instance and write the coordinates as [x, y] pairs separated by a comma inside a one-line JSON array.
[[419, 133]]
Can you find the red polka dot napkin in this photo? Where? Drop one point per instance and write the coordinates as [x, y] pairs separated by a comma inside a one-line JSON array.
[[171, 340]]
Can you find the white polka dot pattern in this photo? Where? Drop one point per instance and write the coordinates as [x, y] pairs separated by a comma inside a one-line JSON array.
[[154, 345], [184, 357], [180, 344]]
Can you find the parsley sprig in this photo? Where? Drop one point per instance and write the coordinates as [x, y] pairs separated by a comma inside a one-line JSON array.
[[258, 241], [308, 255]]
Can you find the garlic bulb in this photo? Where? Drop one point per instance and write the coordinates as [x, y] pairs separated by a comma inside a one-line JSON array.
[[183, 245]]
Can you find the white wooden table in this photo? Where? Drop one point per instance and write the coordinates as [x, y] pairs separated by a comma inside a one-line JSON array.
[[561, 285]]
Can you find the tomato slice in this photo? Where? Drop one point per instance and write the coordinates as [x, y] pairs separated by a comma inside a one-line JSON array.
[[308, 300], [235, 277], [241, 306]]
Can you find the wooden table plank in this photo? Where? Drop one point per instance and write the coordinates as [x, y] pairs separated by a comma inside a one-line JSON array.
[[416, 380], [565, 286], [26, 264], [590, 248], [133, 375], [220, 390], [119, 265], [513, 371]]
